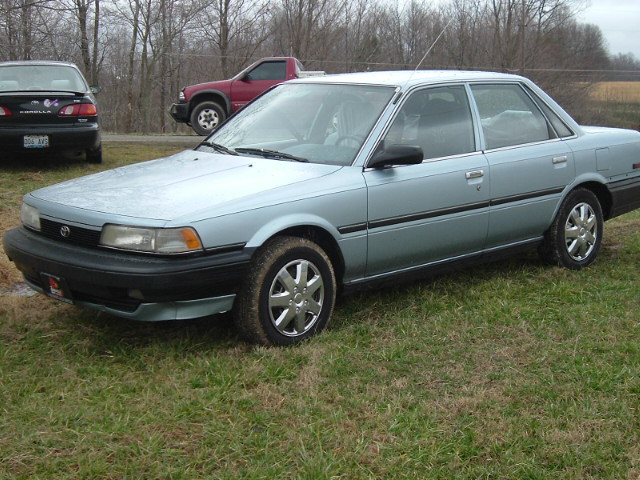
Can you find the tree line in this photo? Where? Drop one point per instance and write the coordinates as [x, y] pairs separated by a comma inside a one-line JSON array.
[[141, 52]]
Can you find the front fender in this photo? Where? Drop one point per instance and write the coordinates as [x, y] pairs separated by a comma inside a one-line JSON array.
[[288, 222], [206, 95]]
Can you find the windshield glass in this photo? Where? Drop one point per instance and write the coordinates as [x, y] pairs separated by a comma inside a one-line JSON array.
[[305, 122], [41, 78]]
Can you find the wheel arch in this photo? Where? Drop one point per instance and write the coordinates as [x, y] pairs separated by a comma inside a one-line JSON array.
[[210, 96], [602, 193], [320, 236]]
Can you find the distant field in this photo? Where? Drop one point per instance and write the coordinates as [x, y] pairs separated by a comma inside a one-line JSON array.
[[616, 91], [611, 104]]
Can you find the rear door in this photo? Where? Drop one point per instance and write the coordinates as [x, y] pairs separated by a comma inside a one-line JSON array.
[[530, 164]]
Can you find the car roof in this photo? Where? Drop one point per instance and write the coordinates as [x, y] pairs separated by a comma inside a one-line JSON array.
[[409, 78], [20, 63]]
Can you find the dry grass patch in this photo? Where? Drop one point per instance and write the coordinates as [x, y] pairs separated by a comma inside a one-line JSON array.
[[628, 92]]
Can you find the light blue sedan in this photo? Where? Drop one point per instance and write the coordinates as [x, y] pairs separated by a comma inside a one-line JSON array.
[[331, 183]]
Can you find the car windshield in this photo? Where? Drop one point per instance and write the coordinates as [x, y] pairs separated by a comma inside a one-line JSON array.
[[304, 122], [16, 78]]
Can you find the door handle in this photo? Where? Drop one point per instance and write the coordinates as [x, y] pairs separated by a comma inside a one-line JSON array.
[[474, 174], [560, 159]]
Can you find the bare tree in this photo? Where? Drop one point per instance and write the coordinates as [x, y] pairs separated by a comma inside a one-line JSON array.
[[143, 51], [235, 29], [308, 29]]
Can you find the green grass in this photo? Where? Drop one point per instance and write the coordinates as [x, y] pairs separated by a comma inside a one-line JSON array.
[[512, 370]]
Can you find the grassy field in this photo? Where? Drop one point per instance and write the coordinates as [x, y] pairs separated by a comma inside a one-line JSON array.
[[512, 370]]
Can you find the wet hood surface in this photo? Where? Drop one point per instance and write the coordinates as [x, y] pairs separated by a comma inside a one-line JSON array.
[[184, 183]]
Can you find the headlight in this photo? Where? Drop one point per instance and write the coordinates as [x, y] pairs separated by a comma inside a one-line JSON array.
[[30, 216], [181, 97], [151, 240]]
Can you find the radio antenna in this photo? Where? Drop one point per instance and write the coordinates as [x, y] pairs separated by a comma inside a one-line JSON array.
[[433, 44]]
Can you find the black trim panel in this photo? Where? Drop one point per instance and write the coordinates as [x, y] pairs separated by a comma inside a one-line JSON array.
[[625, 195], [385, 222], [526, 196], [234, 247], [356, 227]]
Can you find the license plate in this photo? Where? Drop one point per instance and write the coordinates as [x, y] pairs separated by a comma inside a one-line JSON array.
[[36, 141], [56, 287]]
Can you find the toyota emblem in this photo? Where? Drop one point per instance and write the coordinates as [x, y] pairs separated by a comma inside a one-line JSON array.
[[65, 231]]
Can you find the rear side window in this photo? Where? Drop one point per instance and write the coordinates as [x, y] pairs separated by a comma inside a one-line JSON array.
[[269, 71], [509, 116]]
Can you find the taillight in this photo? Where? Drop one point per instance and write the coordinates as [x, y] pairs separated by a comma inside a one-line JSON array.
[[78, 110], [4, 112]]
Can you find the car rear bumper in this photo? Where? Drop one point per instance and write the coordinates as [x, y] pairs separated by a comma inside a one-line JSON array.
[[180, 112], [61, 137], [140, 287]]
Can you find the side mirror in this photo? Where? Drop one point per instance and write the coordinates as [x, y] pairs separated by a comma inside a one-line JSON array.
[[397, 155], [246, 77], [95, 89]]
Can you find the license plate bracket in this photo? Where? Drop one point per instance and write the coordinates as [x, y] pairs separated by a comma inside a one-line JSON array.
[[56, 287]]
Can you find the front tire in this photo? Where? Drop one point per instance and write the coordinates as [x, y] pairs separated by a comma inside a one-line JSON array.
[[574, 238], [288, 295], [206, 117]]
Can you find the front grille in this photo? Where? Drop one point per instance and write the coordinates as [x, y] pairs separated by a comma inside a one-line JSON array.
[[76, 235]]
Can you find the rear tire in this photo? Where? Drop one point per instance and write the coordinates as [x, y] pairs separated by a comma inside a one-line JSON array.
[[94, 156], [574, 238], [206, 117], [288, 295]]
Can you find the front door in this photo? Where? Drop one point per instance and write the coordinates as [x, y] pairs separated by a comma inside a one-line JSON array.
[[439, 209]]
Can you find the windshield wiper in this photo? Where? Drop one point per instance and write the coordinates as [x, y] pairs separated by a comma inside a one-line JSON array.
[[217, 147], [271, 154]]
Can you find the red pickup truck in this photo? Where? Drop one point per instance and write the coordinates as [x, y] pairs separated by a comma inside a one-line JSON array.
[[206, 105]]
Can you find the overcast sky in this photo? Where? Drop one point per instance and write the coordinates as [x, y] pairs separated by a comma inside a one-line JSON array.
[[619, 21]]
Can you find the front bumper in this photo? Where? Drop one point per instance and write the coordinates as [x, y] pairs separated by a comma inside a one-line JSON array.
[[180, 112], [62, 138], [140, 287]]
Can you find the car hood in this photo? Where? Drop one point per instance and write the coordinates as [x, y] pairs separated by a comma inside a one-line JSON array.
[[182, 184]]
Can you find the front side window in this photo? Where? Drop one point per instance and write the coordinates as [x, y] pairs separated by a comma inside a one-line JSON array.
[[509, 117], [269, 71], [437, 119]]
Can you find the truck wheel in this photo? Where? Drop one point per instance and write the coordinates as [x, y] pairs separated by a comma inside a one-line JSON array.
[[574, 238], [206, 117], [288, 294]]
